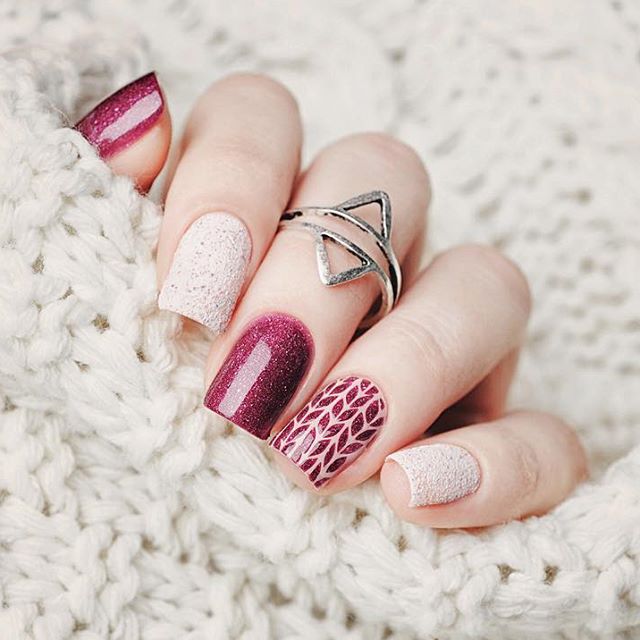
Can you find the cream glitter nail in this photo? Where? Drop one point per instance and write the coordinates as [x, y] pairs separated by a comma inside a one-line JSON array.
[[208, 270], [438, 473]]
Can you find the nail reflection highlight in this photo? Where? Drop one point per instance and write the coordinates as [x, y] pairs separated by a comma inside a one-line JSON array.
[[246, 377]]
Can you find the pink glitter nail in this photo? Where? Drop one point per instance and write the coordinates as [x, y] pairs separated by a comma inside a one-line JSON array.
[[122, 118], [262, 373]]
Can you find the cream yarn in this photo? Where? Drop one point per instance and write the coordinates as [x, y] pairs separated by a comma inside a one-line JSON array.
[[126, 511]]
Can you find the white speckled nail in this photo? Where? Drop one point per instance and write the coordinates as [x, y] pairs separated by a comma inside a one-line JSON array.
[[208, 270], [438, 473]]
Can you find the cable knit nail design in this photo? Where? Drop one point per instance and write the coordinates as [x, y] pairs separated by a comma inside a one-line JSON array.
[[332, 430]]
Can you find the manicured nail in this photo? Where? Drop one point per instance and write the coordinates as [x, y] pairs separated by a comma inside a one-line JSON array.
[[332, 430], [262, 373], [122, 118], [438, 473], [208, 270]]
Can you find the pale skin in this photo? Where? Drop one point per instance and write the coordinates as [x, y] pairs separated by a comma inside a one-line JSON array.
[[454, 336]]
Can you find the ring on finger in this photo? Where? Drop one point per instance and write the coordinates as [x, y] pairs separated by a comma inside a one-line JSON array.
[[390, 279]]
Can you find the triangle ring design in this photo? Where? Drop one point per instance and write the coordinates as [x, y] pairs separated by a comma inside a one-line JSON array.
[[390, 279]]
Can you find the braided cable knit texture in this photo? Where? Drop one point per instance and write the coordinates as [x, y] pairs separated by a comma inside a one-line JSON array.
[[126, 510]]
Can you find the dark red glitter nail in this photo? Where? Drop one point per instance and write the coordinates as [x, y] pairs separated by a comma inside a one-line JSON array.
[[262, 373], [122, 118]]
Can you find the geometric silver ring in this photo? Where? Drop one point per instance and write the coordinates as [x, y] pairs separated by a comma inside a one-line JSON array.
[[390, 279]]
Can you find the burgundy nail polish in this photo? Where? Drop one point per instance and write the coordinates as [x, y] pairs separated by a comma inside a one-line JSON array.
[[261, 374], [122, 118], [332, 430]]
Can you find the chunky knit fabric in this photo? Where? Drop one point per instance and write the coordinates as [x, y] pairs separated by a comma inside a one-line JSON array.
[[126, 510]]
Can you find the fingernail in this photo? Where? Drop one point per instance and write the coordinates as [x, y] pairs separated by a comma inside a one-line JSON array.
[[122, 118], [438, 473], [262, 373], [208, 270], [332, 430]]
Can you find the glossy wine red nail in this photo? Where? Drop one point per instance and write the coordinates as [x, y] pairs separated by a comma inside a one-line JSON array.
[[124, 117], [262, 373], [334, 429]]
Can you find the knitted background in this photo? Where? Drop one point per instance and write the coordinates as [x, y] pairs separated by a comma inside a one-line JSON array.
[[126, 510]]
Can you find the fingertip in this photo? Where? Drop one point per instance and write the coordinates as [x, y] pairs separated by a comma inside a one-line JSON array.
[[432, 484], [395, 485], [293, 473], [396, 489], [143, 160]]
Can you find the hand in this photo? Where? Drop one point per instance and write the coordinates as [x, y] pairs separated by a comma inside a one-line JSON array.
[[285, 364]]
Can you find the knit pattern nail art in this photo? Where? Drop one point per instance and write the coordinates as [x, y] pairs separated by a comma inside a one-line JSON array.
[[332, 430]]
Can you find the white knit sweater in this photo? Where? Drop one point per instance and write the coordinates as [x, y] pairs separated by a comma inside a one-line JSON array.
[[126, 510]]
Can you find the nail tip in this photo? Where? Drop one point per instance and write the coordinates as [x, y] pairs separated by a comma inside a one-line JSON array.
[[438, 473], [322, 445], [150, 76], [256, 434], [208, 270], [166, 302], [214, 328]]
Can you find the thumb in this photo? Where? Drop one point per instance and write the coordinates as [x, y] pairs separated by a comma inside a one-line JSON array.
[[131, 130]]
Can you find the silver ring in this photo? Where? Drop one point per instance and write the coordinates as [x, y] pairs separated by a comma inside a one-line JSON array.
[[390, 279]]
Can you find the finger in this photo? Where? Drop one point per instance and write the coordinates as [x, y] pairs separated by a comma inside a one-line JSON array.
[[485, 402], [233, 180], [131, 130], [523, 464], [289, 323], [462, 316]]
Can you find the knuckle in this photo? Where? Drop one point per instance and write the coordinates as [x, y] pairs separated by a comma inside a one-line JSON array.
[[390, 150], [248, 153], [567, 444], [244, 161], [528, 471], [401, 166], [259, 87], [530, 458], [259, 82], [245, 157], [525, 467], [495, 267], [424, 344], [383, 147], [261, 92], [576, 452]]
